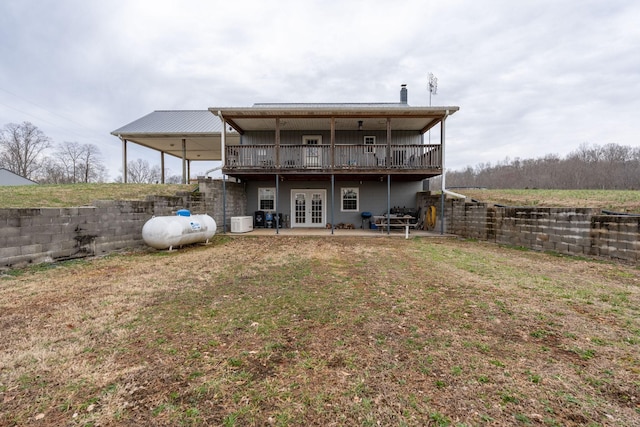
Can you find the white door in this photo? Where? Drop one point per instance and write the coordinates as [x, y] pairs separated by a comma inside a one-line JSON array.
[[308, 208], [312, 151]]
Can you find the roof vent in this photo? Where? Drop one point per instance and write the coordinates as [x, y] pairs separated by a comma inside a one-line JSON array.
[[403, 94]]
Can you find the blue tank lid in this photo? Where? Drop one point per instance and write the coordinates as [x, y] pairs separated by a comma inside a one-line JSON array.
[[183, 212]]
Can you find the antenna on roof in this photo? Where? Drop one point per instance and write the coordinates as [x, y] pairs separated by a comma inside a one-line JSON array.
[[433, 86], [433, 90]]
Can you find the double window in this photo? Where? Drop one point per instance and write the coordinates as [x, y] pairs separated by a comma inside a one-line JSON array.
[[350, 199], [369, 144], [267, 199]]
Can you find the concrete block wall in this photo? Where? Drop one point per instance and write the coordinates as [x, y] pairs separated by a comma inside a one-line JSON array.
[[213, 191], [616, 236], [36, 235], [573, 231]]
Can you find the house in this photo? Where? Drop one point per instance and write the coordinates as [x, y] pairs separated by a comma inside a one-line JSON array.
[[9, 178], [319, 164], [307, 164]]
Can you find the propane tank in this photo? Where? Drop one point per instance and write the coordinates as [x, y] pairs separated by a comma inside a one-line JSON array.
[[162, 232]]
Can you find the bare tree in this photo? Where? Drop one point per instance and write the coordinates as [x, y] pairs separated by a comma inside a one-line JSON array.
[[611, 166], [92, 167], [21, 148], [73, 163], [141, 172], [69, 155]]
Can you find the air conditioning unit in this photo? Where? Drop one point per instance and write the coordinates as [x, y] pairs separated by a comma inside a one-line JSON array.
[[241, 224]]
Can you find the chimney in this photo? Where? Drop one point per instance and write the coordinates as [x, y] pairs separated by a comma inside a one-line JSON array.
[[403, 94]]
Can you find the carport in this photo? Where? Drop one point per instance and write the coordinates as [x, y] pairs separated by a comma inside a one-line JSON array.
[[190, 135]]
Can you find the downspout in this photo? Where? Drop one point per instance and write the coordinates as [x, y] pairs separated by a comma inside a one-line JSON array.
[[224, 204], [442, 182], [223, 137]]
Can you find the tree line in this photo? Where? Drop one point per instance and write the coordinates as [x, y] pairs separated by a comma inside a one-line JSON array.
[[591, 166], [26, 151]]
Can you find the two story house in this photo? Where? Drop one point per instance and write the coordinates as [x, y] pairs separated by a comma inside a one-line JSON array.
[[319, 164], [308, 164]]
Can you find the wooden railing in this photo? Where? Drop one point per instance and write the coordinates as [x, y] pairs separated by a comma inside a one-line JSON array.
[[313, 157]]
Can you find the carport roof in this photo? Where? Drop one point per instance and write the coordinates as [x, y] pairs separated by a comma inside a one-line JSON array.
[[164, 131]]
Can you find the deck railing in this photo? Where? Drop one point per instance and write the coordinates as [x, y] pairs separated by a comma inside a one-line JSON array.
[[313, 157]]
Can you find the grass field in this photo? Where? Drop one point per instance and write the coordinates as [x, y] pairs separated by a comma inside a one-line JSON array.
[[84, 194], [70, 195], [616, 200], [292, 331]]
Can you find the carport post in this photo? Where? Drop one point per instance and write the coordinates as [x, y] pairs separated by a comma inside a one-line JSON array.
[[184, 161], [124, 159], [162, 167]]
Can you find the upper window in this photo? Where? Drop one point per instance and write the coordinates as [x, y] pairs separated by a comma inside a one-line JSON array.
[[369, 142], [312, 139], [267, 199], [350, 199]]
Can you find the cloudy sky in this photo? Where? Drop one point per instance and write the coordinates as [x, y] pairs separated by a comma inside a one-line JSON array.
[[530, 77]]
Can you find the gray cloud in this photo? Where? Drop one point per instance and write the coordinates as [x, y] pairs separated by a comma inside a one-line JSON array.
[[531, 77]]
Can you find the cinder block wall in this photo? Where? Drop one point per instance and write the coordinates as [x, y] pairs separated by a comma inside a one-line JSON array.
[[32, 236], [572, 231]]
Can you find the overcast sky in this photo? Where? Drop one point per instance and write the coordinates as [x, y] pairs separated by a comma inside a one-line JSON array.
[[530, 77]]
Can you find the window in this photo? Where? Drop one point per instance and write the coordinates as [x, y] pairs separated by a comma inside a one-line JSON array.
[[350, 199], [369, 142], [267, 199]]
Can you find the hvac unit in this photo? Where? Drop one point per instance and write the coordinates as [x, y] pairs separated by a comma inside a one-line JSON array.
[[241, 224]]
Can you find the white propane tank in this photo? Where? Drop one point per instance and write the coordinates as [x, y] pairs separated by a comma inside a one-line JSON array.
[[162, 232]]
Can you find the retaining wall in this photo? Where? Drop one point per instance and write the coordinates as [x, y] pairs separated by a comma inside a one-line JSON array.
[[36, 235], [572, 231]]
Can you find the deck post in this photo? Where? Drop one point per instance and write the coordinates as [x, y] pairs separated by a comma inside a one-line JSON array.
[[277, 202], [333, 192], [333, 144], [277, 159], [388, 204]]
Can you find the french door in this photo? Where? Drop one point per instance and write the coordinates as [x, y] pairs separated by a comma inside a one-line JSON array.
[[312, 151], [308, 208]]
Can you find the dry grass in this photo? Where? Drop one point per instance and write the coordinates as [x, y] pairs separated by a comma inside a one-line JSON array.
[[615, 200], [322, 331], [60, 196]]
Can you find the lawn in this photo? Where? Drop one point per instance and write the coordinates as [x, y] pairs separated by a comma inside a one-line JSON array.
[[625, 201], [349, 331], [71, 195]]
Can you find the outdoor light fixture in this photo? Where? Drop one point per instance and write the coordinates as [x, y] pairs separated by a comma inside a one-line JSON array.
[[359, 124]]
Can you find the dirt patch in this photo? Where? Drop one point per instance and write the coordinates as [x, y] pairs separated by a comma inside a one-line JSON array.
[[322, 331]]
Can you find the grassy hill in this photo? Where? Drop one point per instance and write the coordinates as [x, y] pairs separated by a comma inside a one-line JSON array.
[[32, 196], [615, 200], [58, 196]]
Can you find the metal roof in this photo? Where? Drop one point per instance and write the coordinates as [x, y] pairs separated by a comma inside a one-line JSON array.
[[9, 178], [164, 131], [173, 122]]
